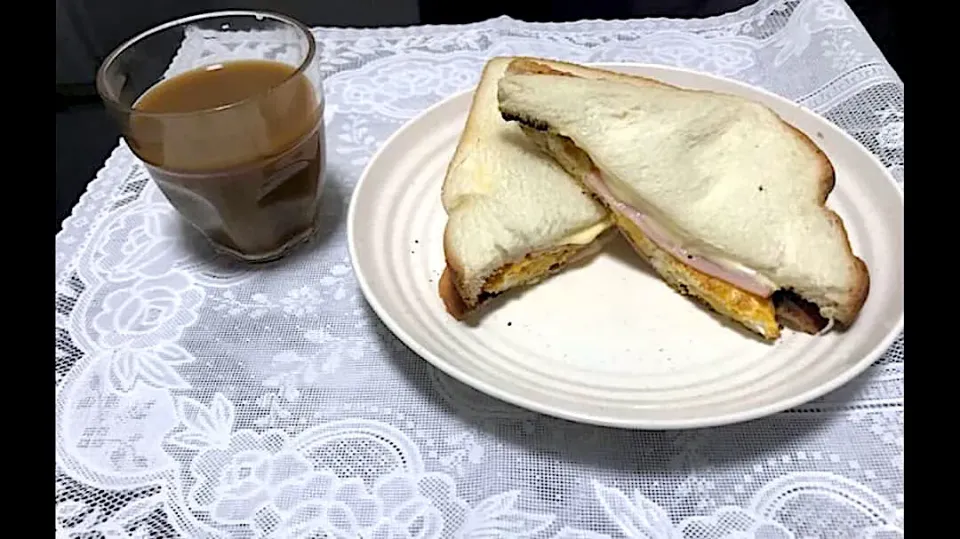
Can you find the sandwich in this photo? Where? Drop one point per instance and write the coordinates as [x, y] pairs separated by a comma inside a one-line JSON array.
[[722, 197], [514, 216]]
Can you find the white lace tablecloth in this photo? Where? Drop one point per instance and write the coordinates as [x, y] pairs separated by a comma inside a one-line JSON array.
[[199, 398]]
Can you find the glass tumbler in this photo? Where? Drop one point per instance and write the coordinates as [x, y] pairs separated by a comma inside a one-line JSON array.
[[232, 134]]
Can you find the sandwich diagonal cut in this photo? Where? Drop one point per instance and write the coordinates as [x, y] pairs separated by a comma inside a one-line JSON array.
[[723, 198], [514, 216]]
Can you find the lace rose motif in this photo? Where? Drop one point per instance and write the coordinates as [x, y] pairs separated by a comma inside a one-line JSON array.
[[151, 311], [393, 507], [148, 239], [139, 326], [266, 482], [405, 506], [237, 482], [144, 242], [237, 474]]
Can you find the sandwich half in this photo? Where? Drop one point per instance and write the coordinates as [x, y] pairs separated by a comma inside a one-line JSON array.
[[722, 197], [514, 215]]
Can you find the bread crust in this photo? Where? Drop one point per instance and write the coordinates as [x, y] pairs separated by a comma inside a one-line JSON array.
[[450, 295], [847, 310]]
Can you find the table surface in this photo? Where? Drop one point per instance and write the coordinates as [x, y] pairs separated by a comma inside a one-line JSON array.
[[197, 397]]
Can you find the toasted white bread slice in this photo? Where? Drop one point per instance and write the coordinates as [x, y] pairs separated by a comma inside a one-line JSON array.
[[514, 215], [722, 177]]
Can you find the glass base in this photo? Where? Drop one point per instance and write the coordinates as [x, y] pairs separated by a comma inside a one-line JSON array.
[[270, 256]]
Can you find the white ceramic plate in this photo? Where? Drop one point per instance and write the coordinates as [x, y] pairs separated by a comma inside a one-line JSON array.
[[608, 343]]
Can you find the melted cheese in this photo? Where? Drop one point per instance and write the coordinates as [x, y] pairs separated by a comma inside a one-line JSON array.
[[588, 234]]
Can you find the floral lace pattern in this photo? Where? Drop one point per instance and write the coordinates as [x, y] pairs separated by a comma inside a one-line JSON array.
[[198, 398]]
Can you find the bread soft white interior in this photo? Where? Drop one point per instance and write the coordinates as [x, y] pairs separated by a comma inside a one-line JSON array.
[[508, 205], [725, 176]]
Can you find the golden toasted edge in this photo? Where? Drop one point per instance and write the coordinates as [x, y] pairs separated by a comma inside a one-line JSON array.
[[848, 310], [454, 298]]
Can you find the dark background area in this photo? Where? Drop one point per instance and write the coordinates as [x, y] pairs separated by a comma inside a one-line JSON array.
[[87, 30]]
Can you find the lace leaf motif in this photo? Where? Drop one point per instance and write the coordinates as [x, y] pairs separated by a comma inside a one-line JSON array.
[[205, 427], [155, 367], [639, 518], [497, 516]]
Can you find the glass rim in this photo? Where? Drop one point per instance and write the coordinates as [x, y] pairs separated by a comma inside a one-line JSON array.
[[120, 49]]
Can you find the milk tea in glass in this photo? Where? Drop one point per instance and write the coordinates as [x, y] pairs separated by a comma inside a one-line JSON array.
[[235, 141]]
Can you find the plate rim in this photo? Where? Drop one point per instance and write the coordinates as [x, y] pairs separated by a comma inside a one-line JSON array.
[[730, 418]]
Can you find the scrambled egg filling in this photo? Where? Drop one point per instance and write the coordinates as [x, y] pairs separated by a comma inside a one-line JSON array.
[[755, 312], [535, 266], [531, 269]]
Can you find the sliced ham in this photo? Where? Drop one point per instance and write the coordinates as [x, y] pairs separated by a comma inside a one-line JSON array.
[[742, 279]]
